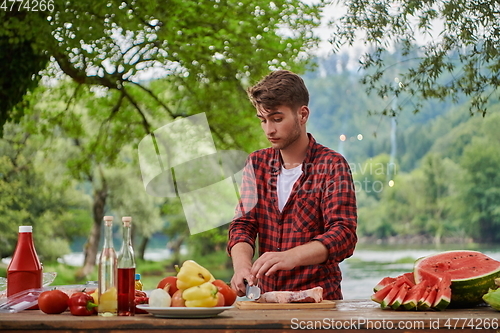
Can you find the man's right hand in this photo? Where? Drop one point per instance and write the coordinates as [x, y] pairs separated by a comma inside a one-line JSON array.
[[242, 253], [238, 281]]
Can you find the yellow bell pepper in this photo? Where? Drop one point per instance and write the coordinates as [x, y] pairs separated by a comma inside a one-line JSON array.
[[192, 274], [204, 295]]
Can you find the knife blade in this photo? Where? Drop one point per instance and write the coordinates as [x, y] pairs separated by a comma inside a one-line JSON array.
[[252, 292]]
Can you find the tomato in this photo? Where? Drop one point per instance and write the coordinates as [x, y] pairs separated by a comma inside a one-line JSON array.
[[220, 299], [177, 299], [170, 280], [53, 301], [228, 293]]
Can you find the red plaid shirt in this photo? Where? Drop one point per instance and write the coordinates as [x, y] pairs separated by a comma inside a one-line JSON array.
[[321, 207]]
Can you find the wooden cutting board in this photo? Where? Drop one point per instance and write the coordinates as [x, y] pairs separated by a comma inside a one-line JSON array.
[[252, 305]]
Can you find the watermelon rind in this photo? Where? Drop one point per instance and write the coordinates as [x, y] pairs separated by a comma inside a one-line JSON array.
[[443, 296], [398, 300], [413, 296], [465, 292], [384, 283]]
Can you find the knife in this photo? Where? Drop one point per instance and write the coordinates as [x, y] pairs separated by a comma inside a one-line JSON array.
[[252, 292]]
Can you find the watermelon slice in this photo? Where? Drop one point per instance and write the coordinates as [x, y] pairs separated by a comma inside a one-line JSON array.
[[429, 300], [423, 297], [413, 296], [398, 300], [384, 283], [443, 296], [382, 293], [396, 286], [471, 273]]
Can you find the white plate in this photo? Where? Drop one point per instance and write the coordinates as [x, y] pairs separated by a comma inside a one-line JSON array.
[[182, 312]]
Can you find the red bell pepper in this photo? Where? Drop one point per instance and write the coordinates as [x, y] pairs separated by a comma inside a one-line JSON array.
[[140, 298], [82, 304]]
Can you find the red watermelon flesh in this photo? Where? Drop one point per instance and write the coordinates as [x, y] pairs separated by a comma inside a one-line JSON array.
[[398, 300], [382, 293], [429, 300], [410, 278], [443, 295], [460, 265], [396, 286], [471, 273], [413, 296], [383, 283]]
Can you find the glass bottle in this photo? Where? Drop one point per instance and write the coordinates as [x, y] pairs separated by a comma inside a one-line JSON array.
[[126, 272], [25, 270], [108, 298]]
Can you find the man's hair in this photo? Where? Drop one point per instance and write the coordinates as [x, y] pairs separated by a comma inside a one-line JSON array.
[[279, 88]]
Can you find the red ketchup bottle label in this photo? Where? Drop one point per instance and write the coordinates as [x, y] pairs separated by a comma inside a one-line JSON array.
[[25, 270]]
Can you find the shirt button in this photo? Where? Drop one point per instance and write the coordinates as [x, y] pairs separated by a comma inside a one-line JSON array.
[[279, 248]]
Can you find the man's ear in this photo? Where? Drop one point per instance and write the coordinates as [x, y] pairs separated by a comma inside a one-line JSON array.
[[303, 114]]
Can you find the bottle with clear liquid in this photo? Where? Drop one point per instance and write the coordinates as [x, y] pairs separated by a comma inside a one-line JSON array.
[[25, 270], [108, 299], [126, 272]]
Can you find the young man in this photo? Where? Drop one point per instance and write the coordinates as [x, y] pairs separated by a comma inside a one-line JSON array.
[[297, 197]]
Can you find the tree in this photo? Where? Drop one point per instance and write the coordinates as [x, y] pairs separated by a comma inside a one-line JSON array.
[[480, 188], [199, 50], [36, 194], [449, 48], [119, 44]]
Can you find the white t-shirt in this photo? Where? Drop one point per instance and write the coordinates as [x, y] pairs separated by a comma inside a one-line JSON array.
[[286, 179]]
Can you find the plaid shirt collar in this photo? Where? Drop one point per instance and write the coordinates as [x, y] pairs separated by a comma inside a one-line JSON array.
[[277, 160]]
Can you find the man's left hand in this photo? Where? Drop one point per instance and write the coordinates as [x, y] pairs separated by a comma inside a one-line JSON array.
[[271, 262]]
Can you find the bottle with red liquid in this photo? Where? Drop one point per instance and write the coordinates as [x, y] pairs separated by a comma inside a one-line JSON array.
[[25, 270], [126, 272]]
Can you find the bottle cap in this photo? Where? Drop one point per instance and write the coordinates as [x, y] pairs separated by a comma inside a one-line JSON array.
[[108, 218], [127, 221], [25, 228], [137, 276]]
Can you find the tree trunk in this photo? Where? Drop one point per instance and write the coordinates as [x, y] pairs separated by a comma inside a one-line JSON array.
[[92, 244], [175, 247], [142, 247]]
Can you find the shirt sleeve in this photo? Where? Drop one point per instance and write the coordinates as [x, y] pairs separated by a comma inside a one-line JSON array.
[[340, 213], [243, 227]]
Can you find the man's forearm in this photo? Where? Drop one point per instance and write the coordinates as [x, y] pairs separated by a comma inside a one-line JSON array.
[[242, 254], [311, 253]]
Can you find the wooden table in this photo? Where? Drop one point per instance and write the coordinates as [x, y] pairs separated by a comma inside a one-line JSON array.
[[358, 315]]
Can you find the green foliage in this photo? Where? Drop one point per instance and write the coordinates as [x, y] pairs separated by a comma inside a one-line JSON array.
[[481, 186], [20, 62], [201, 47], [448, 49], [30, 197]]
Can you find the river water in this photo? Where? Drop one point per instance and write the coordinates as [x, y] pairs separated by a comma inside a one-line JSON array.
[[363, 270]]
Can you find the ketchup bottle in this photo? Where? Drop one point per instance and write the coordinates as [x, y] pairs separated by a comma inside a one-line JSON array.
[[25, 270]]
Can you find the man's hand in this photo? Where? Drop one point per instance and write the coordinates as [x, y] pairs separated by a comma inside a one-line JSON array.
[[241, 254], [311, 253], [238, 281], [271, 262]]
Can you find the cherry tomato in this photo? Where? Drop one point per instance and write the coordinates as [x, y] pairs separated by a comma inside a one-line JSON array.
[[177, 299], [53, 301], [228, 293], [171, 281], [220, 299]]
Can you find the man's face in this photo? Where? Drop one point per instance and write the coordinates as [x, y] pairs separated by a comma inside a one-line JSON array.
[[281, 126]]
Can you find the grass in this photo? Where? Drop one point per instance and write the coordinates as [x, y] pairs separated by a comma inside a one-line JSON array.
[[151, 271]]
